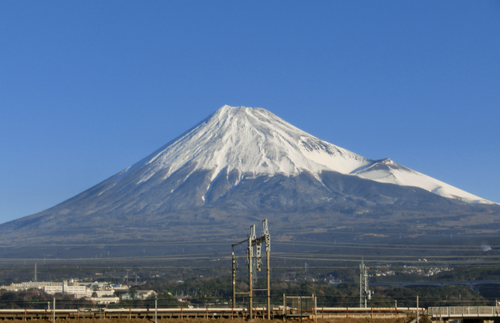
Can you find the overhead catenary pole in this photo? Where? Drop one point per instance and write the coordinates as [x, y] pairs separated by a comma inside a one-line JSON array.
[[362, 296], [156, 308], [267, 237], [234, 270], [234, 278], [252, 241], [251, 238], [417, 309], [268, 270], [364, 293]]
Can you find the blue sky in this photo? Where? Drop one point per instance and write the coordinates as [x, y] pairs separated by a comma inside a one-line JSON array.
[[87, 88]]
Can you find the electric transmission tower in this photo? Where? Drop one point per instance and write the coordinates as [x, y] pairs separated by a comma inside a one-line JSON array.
[[364, 293]]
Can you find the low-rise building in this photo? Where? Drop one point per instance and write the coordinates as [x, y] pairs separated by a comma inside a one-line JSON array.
[[103, 291], [105, 300]]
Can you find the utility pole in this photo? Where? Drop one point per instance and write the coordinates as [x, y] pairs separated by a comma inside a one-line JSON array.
[[35, 274]]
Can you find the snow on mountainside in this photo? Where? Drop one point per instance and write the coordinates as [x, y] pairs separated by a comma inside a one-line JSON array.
[[255, 142], [387, 171], [252, 141]]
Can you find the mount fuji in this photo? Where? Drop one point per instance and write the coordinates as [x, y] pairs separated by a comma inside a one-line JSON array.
[[247, 143], [242, 164]]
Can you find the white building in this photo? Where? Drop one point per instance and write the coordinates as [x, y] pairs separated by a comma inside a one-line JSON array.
[[105, 300], [76, 289]]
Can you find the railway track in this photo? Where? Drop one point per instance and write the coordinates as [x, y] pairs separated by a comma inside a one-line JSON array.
[[208, 313]]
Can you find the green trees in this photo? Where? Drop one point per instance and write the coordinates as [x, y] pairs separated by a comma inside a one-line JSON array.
[[217, 291]]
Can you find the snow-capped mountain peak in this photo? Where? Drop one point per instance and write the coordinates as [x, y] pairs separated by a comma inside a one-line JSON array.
[[254, 142]]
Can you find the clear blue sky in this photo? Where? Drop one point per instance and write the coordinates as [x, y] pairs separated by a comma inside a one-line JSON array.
[[87, 88]]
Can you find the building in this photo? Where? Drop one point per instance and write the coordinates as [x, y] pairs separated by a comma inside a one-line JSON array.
[[105, 300]]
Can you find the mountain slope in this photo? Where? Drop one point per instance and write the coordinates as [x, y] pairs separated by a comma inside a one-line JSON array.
[[387, 171], [241, 164]]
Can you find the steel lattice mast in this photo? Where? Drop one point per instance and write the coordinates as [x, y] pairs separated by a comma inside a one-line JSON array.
[[255, 263]]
